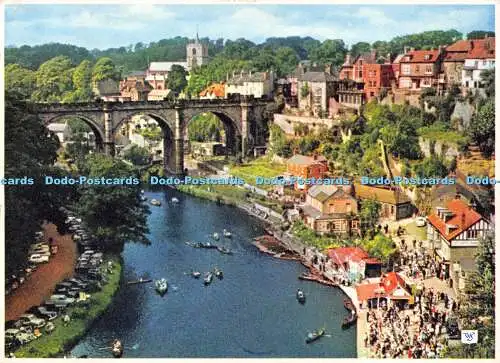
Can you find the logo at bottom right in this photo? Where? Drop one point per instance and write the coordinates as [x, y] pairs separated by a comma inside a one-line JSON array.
[[469, 336]]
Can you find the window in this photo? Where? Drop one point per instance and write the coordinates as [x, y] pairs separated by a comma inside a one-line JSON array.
[[405, 69], [427, 57], [372, 94], [428, 68], [405, 83], [194, 51], [484, 62], [417, 68], [472, 234]]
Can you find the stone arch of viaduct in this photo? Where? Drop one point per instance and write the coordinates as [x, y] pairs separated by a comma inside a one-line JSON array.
[[242, 116]]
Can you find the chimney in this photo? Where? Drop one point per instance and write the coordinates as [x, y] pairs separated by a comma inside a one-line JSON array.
[[373, 54], [315, 156], [406, 49], [328, 68], [462, 220], [227, 76], [412, 49], [471, 45]]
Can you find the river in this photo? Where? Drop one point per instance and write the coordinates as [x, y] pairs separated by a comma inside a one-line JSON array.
[[251, 313]]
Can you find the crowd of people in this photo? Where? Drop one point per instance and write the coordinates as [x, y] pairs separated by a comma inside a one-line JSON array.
[[394, 332], [418, 264]]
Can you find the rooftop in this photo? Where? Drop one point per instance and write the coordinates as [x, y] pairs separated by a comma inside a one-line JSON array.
[[317, 77], [217, 89], [299, 159], [165, 66], [323, 192], [421, 56], [384, 195], [461, 216]]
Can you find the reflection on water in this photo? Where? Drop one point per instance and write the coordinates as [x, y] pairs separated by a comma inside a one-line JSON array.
[[251, 312]]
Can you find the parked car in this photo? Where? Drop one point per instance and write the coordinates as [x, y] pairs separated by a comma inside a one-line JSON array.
[[24, 338], [420, 221], [38, 258], [62, 298], [10, 334], [42, 312], [32, 321]]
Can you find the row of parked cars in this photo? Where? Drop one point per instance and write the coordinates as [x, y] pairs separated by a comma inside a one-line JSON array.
[[73, 291]]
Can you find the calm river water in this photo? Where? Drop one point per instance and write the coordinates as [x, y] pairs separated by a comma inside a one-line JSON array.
[[251, 313]]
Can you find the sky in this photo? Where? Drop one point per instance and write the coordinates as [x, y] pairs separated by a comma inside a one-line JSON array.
[[112, 26]]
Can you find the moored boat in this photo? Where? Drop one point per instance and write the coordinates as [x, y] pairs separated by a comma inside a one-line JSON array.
[[227, 234], [196, 274], [208, 245], [224, 250], [117, 349], [161, 286], [218, 273], [174, 200], [215, 236], [301, 297], [208, 278], [155, 202], [315, 335], [349, 320], [143, 198]]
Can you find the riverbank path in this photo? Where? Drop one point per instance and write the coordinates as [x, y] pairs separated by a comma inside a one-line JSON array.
[[40, 284]]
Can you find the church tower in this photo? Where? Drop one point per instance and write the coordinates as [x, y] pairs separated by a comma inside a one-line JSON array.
[[197, 54]]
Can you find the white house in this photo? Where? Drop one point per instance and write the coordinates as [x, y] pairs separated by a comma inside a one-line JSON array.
[[455, 232], [62, 131], [480, 57], [255, 84]]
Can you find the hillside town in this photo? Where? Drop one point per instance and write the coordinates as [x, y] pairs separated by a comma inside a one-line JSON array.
[[374, 169]]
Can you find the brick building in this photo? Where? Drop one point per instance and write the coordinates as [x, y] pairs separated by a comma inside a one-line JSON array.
[[302, 166]]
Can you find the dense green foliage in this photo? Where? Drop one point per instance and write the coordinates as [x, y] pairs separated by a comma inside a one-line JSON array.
[[369, 214], [30, 150], [482, 128], [480, 34], [477, 310], [177, 78], [137, 155], [380, 246], [114, 214], [206, 127]]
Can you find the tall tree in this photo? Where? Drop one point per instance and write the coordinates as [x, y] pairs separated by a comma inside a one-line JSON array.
[[20, 80], [359, 48], [103, 69], [54, 80], [330, 51], [30, 151], [482, 128], [114, 214], [177, 78]]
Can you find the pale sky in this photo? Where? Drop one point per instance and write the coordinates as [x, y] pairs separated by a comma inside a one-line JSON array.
[[106, 26]]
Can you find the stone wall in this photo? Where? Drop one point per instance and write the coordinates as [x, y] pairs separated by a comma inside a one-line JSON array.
[[464, 112], [441, 148], [287, 122]]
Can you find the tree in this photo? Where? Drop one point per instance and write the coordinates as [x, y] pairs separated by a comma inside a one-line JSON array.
[[82, 82], [278, 142], [30, 151], [369, 214], [479, 34], [380, 246], [359, 48], [177, 79], [482, 128], [20, 80], [137, 155], [286, 60], [103, 69], [432, 167], [114, 214], [330, 52], [53, 80], [488, 80]]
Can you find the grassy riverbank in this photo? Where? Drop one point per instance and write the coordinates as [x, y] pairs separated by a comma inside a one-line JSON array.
[[225, 194], [63, 337]]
